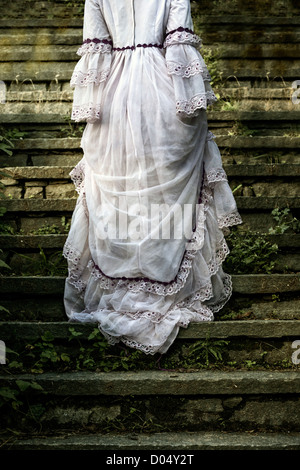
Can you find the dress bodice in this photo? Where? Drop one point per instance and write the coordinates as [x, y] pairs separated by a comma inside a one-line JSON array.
[[133, 22]]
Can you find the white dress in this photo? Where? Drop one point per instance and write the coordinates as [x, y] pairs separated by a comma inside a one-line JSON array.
[[146, 243]]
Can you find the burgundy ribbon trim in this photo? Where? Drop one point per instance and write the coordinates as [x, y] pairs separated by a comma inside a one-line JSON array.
[[132, 48], [181, 30], [97, 41]]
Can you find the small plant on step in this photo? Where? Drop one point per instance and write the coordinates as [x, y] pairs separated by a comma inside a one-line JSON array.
[[250, 253], [44, 354], [53, 229], [204, 351], [53, 264], [284, 222]]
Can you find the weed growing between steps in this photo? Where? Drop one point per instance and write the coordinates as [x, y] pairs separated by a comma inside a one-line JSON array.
[[91, 352], [250, 253], [285, 222]]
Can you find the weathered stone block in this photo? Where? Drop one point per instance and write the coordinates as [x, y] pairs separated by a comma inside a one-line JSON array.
[[60, 191], [232, 402], [23, 263], [287, 310], [194, 412], [30, 224], [80, 416], [271, 414], [34, 183], [9, 181], [14, 192], [34, 192], [247, 191], [275, 190]]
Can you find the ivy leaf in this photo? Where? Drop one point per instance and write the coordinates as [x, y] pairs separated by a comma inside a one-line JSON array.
[[23, 385], [4, 265]]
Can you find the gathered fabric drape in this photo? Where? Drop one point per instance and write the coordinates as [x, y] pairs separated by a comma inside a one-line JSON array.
[[146, 244]]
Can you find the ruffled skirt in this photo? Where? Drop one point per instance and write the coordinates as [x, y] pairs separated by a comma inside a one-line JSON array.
[[146, 243]]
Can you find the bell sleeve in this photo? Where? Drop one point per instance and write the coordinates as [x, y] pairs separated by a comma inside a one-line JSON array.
[[191, 79], [93, 68]]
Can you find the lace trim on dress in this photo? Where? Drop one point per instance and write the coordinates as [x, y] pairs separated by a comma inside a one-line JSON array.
[[94, 46], [188, 70], [182, 36], [198, 296], [210, 136], [132, 48], [77, 176], [216, 175], [91, 76], [197, 102], [203, 313], [228, 220], [144, 284], [148, 285], [71, 254], [88, 112]]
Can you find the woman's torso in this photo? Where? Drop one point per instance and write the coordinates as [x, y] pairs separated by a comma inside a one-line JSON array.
[[135, 22]]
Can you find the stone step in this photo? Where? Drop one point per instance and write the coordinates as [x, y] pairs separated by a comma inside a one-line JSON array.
[[38, 92], [56, 241], [85, 383], [187, 443], [168, 401], [239, 68], [52, 53], [40, 53], [234, 149], [262, 329], [68, 35], [244, 170], [261, 26], [23, 253], [67, 205], [40, 114], [40, 298], [248, 284]]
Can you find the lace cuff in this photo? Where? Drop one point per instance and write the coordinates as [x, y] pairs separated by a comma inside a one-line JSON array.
[[95, 63], [182, 36], [88, 77], [94, 46], [191, 78]]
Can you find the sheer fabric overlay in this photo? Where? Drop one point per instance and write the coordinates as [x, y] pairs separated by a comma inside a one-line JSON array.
[[146, 244]]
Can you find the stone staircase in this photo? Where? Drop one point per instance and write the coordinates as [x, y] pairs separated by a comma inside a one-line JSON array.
[[230, 384]]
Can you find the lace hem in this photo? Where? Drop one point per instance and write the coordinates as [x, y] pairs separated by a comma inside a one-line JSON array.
[[188, 70], [91, 76], [228, 220], [88, 112], [197, 102], [95, 46], [148, 285], [227, 283], [202, 314], [182, 36]]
